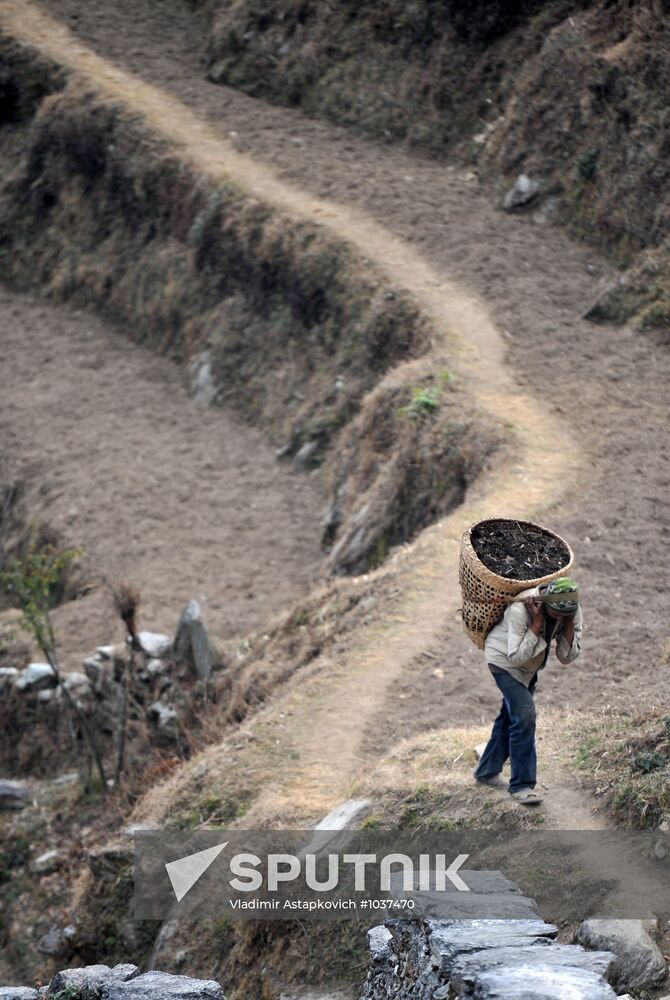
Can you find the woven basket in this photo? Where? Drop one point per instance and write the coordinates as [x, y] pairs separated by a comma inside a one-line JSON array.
[[485, 594]]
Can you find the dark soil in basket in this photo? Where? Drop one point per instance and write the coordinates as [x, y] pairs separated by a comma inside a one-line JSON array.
[[518, 551]]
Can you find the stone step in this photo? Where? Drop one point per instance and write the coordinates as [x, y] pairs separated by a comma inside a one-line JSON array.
[[544, 954], [537, 983]]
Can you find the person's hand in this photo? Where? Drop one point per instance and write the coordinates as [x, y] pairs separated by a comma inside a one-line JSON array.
[[534, 609], [569, 626]]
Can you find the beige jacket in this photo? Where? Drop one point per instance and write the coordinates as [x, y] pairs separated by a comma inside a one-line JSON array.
[[513, 646]]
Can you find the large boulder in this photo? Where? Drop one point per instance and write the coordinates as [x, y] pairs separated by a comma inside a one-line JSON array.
[[18, 993], [639, 963], [162, 986]]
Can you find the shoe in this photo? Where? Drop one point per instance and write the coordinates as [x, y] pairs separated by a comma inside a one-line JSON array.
[[527, 797], [493, 781]]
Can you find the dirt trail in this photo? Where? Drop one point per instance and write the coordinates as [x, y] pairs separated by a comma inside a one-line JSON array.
[[339, 705], [538, 284], [608, 386]]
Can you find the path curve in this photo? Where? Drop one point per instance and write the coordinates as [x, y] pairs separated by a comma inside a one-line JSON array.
[[333, 713]]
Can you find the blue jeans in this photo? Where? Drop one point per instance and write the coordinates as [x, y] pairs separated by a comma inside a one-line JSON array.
[[513, 735]]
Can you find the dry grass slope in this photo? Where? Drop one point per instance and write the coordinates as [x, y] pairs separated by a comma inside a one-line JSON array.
[[571, 92], [299, 328]]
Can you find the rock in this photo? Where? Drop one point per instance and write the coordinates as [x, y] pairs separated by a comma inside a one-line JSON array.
[[481, 959], [168, 724], [344, 815], [471, 969], [491, 897], [523, 192], [8, 676], [156, 667], [69, 778], [36, 677], [639, 962], [191, 643], [167, 720], [51, 694], [18, 993], [162, 986], [76, 680], [108, 864], [100, 673], [449, 941], [379, 942], [88, 983], [13, 794], [106, 652], [203, 387], [165, 943], [48, 862], [154, 644], [53, 943], [537, 983], [304, 455]]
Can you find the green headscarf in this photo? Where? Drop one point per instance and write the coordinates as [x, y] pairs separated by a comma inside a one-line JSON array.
[[564, 585]]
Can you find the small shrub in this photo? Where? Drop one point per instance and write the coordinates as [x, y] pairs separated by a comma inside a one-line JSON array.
[[587, 164], [68, 993], [655, 316], [424, 402], [648, 761]]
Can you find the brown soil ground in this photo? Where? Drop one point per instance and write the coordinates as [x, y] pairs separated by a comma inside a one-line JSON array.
[[181, 499], [608, 384]]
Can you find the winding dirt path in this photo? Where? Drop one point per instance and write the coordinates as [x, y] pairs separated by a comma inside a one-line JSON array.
[[602, 393]]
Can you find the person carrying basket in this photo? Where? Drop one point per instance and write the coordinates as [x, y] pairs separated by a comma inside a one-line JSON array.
[[516, 649]]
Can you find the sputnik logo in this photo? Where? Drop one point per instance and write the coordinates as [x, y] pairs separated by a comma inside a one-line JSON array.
[[185, 872]]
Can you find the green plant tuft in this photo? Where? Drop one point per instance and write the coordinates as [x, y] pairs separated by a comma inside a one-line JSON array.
[[425, 401], [587, 164]]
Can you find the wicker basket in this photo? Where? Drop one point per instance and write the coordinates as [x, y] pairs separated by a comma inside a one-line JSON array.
[[485, 594]]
